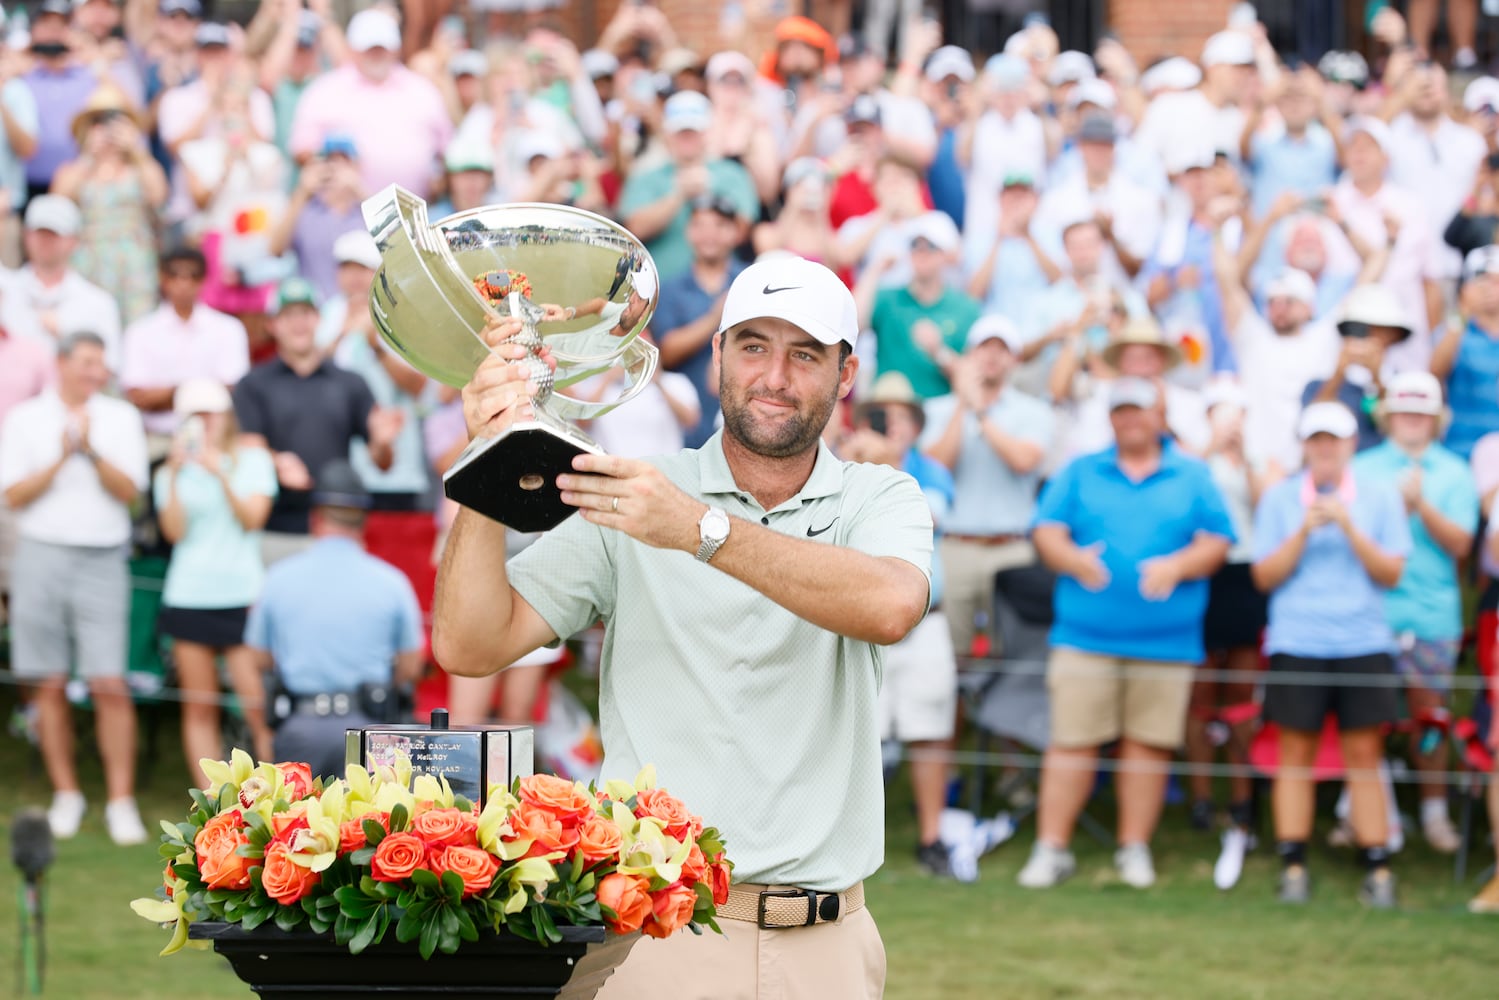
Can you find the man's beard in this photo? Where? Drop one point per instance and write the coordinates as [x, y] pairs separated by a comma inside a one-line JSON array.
[[793, 436]]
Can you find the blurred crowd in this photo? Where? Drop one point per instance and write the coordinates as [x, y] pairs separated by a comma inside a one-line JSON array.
[[1207, 345]]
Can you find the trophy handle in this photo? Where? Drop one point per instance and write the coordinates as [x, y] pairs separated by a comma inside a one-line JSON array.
[[639, 360]]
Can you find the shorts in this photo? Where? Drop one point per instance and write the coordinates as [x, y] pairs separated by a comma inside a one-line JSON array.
[[219, 628], [7, 546], [70, 605], [1236, 612], [919, 695], [1429, 663], [1303, 707], [1096, 699]]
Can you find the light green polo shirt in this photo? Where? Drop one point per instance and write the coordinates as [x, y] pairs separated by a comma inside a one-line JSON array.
[[764, 724]]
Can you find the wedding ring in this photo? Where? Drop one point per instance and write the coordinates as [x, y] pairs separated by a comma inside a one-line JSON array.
[[615, 505]]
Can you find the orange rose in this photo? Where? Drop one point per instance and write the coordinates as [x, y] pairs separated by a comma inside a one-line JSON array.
[[474, 865], [529, 821], [284, 824], [671, 910], [215, 846], [629, 897], [283, 879], [598, 839], [557, 796], [718, 875], [397, 857], [296, 780], [680, 823], [440, 827], [695, 868], [351, 836]]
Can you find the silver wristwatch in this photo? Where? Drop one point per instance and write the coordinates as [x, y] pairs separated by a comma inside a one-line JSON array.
[[713, 530]]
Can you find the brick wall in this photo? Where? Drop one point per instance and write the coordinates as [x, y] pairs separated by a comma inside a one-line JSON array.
[[1151, 29]]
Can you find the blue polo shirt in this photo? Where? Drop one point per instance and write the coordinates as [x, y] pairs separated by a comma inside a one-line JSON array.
[[1135, 521], [1473, 390], [936, 484], [1427, 602], [682, 301], [990, 498], [1329, 608], [334, 617], [1308, 166]]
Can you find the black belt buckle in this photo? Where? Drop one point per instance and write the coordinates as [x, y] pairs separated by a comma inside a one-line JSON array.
[[766, 894]]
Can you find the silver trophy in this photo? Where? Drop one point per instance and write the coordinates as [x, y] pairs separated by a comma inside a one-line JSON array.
[[582, 285]]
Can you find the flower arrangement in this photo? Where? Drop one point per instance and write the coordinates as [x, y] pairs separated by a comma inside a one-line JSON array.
[[374, 849]]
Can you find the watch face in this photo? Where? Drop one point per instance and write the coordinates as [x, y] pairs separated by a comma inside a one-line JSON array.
[[715, 526]]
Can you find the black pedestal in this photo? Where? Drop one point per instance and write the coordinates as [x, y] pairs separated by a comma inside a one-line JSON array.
[[302, 964]]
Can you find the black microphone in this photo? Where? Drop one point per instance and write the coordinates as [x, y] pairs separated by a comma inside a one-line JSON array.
[[31, 843]]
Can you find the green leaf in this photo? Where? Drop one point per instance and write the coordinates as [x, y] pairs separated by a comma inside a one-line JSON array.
[[704, 894], [426, 881], [387, 890], [253, 918], [466, 928], [288, 918], [462, 804], [431, 934], [452, 886], [168, 851], [363, 856], [409, 928], [548, 927], [188, 831], [577, 869], [255, 821], [449, 918], [319, 925], [373, 832], [398, 818], [364, 936], [250, 851]]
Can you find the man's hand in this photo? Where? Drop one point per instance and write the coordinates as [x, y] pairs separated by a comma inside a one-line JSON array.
[[1089, 569], [1159, 577], [1410, 489], [633, 497], [966, 385], [927, 336], [1188, 276], [692, 181], [385, 425], [1330, 510], [865, 445], [291, 471], [500, 393]]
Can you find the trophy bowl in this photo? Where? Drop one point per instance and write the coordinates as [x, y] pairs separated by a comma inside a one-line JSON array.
[[583, 286]]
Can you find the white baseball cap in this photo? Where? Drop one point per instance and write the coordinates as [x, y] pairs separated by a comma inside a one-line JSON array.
[[797, 290], [937, 229], [54, 213], [201, 395], [722, 64], [1188, 152], [1481, 93], [1291, 283], [1127, 390], [993, 326], [1093, 91], [466, 153], [1228, 48], [1224, 391], [1374, 129], [1071, 66], [950, 60], [374, 29], [1413, 392], [686, 111], [1175, 73], [1483, 260], [1327, 418], [599, 63], [356, 247]]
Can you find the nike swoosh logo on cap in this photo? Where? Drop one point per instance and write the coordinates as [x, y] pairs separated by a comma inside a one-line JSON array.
[[767, 290]]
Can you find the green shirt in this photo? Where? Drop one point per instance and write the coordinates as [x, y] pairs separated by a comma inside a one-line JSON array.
[[670, 249], [764, 724], [896, 311]]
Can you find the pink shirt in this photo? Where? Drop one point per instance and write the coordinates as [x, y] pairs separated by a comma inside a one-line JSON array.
[[27, 366], [400, 127], [179, 109], [161, 349]]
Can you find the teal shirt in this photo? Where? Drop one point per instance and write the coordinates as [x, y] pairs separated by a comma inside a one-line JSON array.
[[216, 564], [896, 311], [670, 249], [1427, 602]]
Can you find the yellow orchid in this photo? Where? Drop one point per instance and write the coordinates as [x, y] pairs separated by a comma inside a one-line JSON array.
[[235, 771], [316, 845], [388, 795], [528, 877], [396, 773], [494, 821], [650, 852], [620, 791], [435, 790]]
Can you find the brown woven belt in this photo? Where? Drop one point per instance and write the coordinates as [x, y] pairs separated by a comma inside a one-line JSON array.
[[775, 906]]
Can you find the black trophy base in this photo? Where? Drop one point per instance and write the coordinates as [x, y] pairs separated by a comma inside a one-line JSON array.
[[299, 964], [512, 478]]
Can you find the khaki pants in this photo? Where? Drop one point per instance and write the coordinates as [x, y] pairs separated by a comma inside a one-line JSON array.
[[968, 570], [837, 961]]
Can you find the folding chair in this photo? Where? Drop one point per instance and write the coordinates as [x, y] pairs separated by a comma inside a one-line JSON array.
[[1008, 698]]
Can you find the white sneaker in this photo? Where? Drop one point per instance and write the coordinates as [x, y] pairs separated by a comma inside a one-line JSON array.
[[1441, 835], [1048, 866], [1230, 863], [66, 814], [1135, 866], [124, 822]]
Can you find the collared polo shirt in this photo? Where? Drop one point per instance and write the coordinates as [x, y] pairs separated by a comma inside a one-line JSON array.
[[162, 349], [315, 418], [216, 563], [73, 305], [1329, 607], [334, 617], [1306, 166], [1134, 521], [989, 497], [683, 300], [1473, 389], [27, 367], [764, 723], [669, 248], [1427, 602], [59, 95], [896, 311], [76, 509]]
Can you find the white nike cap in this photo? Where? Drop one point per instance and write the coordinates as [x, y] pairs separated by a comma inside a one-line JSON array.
[[799, 291]]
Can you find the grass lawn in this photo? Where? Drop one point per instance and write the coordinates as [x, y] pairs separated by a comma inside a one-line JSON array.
[[1090, 938]]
